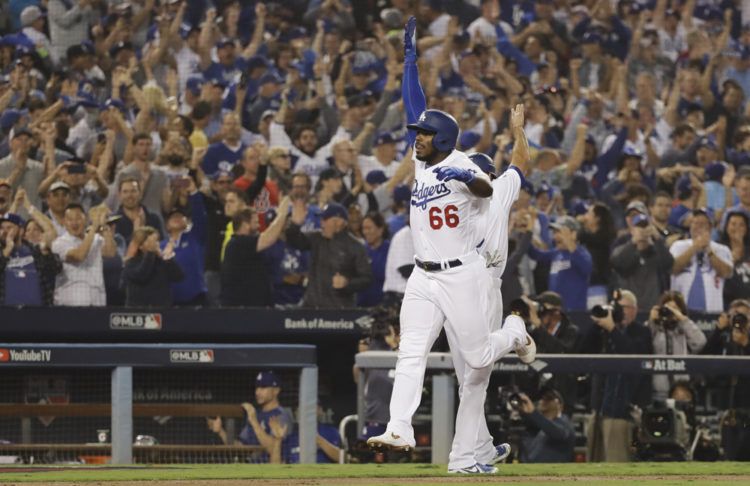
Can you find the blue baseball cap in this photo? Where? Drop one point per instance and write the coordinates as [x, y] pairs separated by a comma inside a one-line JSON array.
[[630, 151], [224, 43], [385, 138], [270, 77], [715, 170], [402, 194], [112, 103], [13, 218], [194, 84], [708, 142], [376, 177], [266, 379], [257, 61], [468, 139], [334, 210], [579, 208], [684, 186], [591, 37], [10, 118]]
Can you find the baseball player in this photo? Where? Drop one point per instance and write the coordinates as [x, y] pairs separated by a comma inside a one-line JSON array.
[[450, 283], [494, 247]]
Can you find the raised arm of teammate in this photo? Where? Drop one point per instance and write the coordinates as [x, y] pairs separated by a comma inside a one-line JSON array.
[[411, 90], [520, 155]]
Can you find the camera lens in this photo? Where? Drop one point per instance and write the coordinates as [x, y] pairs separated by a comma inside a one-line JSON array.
[[599, 311]]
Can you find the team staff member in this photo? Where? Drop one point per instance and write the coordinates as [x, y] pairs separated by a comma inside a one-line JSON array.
[[267, 425], [555, 436]]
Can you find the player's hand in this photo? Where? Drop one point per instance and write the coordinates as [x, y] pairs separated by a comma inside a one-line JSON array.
[[445, 174], [410, 48]]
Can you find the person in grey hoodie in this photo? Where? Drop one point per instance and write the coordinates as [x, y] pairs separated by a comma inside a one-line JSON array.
[[674, 333]]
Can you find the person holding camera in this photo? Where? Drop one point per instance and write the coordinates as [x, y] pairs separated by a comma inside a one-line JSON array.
[[384, 336], [643, 263], [554, 333], [732, 337], [673, 333], [554, 440], [612, 395]]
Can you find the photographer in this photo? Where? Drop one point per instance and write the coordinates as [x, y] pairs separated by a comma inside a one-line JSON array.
[[672, 333], [555, 436], [553, 333], [732, 337], [615, 332], [384, 336]]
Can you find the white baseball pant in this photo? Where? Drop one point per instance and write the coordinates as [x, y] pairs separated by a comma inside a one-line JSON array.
[[472, 441], [458, 297]]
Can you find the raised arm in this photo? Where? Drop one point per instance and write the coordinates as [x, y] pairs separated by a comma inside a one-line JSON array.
[[520, 156], [411, 90], [272, 233]]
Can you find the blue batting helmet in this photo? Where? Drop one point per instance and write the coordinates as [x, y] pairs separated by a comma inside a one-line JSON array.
[[484, 162], [442, 125]]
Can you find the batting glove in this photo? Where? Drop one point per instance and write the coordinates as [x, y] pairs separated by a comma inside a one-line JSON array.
[[410, 39], [446, 174]]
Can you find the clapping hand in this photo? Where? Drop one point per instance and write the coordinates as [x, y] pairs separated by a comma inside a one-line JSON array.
[[445, 174]]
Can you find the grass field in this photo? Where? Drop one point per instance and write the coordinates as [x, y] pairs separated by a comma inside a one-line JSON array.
[[661, 474]]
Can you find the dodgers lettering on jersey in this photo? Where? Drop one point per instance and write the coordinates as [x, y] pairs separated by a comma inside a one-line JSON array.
[[494, 221], [444, 215]]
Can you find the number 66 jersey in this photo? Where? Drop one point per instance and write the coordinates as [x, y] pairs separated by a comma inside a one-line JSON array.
[[444, 215]]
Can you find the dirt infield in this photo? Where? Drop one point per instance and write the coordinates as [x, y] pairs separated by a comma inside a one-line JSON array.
[[659, 480]]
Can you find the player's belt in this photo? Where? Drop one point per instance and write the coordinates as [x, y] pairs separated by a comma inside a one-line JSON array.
[[437, 266]]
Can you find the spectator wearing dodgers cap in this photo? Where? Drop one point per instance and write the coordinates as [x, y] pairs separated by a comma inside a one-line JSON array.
[[339, 267], [383, 156]]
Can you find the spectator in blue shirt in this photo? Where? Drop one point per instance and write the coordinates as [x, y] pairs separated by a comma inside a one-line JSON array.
[[377, 242], [571, 264], [552, 436], [224, 155], [187, 233]]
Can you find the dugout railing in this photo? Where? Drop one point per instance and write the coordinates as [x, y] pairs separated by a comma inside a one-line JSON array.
[[440, 366], [120, 361]]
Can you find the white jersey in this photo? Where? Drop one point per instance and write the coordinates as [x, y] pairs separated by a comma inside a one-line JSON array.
[[494, 223], [444, 215]]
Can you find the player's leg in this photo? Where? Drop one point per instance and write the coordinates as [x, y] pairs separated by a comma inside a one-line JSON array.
[[464, 299], [421, 321], [484, 450]]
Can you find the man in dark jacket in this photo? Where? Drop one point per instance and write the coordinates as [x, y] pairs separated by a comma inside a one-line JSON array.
[[732, 337], [555, 437], [644, 263], [29, 270], [554, 334], [612, 395], [339, 267]]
